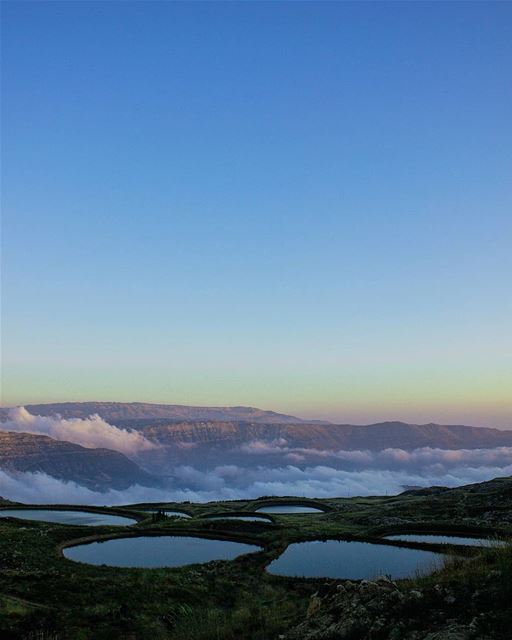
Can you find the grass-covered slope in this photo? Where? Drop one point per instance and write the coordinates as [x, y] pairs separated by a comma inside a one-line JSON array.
[[45, 596]]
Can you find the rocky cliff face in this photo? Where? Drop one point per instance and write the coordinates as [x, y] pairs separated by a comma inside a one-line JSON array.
[[97, 469], [232, 426], [326, 437]]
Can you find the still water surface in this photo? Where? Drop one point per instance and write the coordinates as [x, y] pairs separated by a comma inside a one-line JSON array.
[[67, 517], [442, 539], [157, 551], [246, 518], [177, 514], [289, 508], [352, 560]]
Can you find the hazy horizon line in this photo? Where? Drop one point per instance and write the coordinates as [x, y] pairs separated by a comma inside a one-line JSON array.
[[331, 420]]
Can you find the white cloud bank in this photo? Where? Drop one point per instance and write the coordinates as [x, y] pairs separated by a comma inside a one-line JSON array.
[[92, 432], [294, 471], [231, 482]]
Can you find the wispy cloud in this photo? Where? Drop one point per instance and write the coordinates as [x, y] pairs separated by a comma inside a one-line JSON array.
[[391, 458], [90, 432]]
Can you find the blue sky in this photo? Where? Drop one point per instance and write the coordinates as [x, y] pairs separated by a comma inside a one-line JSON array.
[[300, 206]]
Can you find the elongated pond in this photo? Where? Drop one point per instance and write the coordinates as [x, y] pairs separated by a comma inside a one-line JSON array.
[[444, 539], [245, 518], [157, 551], [88, 518], [288, 508], [175, 514], [352, 560]]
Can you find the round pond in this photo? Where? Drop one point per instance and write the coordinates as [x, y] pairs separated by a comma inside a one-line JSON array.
[[157, 551], [352, 560], [88, 518]]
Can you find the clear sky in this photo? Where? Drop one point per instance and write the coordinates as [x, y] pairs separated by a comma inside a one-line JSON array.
[[302, 206]]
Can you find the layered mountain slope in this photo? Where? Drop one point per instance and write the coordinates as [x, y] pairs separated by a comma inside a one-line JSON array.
[[237, 425], [376, 437], [233, 426], [97, 469]]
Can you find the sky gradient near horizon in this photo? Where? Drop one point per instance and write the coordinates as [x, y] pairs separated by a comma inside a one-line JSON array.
[[305, 207]]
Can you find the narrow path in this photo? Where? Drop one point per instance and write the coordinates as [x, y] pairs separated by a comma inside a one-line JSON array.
[[22, 601]]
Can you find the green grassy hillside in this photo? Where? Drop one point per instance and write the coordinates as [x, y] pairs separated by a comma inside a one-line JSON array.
[[45, 596]]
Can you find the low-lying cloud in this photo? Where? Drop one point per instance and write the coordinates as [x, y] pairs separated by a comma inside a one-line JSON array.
[[254, 469], [232, 482], [391, 458], [92, 432]]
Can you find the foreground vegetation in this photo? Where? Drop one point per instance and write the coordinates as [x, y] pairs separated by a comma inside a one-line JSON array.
[[47, 597]]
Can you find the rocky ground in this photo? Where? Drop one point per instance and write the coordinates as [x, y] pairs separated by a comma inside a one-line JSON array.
[[467, 599], [380, 609]]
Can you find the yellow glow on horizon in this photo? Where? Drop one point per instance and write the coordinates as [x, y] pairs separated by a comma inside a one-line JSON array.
[[483, 399]]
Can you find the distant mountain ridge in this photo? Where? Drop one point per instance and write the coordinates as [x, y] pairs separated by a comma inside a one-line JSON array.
[[112, 411], [229, 427], [249, 438]]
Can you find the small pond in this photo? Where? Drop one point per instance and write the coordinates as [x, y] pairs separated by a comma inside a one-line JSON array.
[[445, 539], [157, 551], [88, 518], [246, 518], [289, 508], [352, 560]]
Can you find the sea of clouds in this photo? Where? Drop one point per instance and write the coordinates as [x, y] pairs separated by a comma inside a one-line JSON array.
[[231, 482], [433, 460], [260, 468]]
